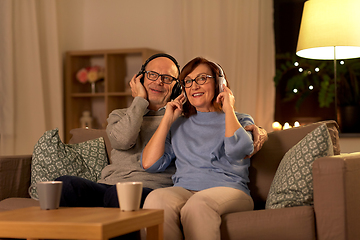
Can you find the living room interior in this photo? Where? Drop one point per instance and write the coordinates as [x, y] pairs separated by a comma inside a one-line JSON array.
[[34, 91], [244, 37]]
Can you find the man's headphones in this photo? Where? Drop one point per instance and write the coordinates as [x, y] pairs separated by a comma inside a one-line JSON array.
[[221, 78], [176, 91]]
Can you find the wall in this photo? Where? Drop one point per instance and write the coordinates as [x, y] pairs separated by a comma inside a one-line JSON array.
[[110, 24]]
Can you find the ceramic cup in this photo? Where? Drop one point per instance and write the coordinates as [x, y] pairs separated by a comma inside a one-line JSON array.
[[129, 195], [49, 193]]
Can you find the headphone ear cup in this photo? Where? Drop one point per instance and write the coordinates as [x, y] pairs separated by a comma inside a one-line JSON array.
[[222, 81], [139, 73], [176, 91]]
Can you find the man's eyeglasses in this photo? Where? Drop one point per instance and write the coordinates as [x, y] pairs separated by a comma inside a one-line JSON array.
[[201, 79], [153, 76]]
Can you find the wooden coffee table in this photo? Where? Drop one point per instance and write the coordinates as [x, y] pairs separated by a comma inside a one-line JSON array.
[[79, 223]]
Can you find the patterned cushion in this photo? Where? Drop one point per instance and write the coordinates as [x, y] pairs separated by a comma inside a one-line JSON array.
[[292, 184], [52, 158]]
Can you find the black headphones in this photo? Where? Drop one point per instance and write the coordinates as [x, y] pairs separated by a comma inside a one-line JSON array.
[[176, 91]]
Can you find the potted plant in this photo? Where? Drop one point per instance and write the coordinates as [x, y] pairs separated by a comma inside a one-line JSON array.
[[307, 76]]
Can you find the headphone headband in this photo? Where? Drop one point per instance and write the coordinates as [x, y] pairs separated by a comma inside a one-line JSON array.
[[160, 55], [221, 72], [176, 91]]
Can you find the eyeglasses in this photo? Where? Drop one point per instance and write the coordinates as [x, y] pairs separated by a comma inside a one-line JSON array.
[[153, 76], [201, 79]]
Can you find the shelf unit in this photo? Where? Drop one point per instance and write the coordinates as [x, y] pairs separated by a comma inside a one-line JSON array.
[[111, 93]]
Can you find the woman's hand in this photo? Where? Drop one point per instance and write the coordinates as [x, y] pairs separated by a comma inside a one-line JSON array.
[[156, 146], [174, 108], [227, 99], [137, 89]]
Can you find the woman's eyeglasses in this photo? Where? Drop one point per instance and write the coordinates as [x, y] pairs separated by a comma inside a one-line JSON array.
[[201, 79]]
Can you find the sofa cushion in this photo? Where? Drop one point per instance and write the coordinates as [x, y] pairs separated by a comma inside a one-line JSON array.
[[292, 184], [265, 162], [52, 159], [82, 134], [297, 223]]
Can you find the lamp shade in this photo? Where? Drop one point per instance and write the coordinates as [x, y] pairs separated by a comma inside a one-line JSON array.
[[330, 29]]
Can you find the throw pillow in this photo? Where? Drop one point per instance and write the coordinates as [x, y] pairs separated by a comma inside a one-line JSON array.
[[52, 158], [292, 184]]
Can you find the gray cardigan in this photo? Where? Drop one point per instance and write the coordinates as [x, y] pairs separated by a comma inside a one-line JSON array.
[[129, 130]]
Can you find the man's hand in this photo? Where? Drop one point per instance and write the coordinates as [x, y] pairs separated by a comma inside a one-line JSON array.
[[260, 136], [137, 89]]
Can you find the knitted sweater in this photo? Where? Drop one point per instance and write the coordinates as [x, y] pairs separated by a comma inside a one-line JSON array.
[[129, 130], [205, 158]]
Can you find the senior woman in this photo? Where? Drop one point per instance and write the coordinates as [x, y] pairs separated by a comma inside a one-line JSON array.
[[202, 131]]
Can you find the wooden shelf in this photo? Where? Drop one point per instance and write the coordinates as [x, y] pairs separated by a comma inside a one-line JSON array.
[[111, 93]]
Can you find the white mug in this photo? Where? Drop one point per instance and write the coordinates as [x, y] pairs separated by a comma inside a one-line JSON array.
[[129, 195], [49, 193]]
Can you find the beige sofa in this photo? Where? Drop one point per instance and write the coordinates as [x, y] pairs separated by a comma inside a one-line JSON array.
[[336, 181]]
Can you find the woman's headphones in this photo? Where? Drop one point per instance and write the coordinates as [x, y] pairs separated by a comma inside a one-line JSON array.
[[221, 78], [176, 91]]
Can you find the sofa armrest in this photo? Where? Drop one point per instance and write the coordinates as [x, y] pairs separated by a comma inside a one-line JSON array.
[[337, 196], [15, 174]]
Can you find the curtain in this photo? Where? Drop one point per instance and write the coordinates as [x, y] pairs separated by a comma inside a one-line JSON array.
[[30, 74], [240, 37]]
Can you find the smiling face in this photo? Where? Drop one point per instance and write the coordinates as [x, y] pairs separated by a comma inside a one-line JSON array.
[[201, 96], [158, 92]]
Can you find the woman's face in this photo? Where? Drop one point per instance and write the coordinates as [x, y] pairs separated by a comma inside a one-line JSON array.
[[200, 96]]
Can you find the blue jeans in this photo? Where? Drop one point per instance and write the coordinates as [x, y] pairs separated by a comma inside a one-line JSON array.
[[80, 192]]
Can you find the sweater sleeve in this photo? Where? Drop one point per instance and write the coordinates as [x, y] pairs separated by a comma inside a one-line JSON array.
[[168, 156], [241, 143], [124, 124]]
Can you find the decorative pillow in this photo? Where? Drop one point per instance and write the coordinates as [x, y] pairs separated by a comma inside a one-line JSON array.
[[52, 158], [293, 181]]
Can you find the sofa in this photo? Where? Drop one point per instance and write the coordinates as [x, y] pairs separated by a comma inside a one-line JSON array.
[[334, 214]]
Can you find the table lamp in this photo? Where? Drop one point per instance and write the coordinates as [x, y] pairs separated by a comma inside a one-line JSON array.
[[330, 30]]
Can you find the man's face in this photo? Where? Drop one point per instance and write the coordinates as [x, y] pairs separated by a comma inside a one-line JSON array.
[[158, 92]]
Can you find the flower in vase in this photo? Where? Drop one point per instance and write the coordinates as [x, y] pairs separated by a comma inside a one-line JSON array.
[[82, 75], [95, 73]]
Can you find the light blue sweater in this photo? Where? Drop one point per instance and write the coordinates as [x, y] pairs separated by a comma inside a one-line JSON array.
[[205, 158]]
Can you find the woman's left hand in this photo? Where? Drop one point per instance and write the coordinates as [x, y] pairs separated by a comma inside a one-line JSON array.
[[227, 99]]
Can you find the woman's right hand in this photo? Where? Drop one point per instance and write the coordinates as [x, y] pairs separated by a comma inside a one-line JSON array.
[[174, 108], [155, 148]]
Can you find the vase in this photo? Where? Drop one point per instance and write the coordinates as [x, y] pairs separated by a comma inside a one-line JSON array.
[[93, 87], [349, 119]]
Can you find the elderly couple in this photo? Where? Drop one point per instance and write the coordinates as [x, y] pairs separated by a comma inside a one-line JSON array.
[[197, 139]]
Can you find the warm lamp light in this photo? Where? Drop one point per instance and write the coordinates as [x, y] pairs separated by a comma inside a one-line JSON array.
[[330, 30]]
